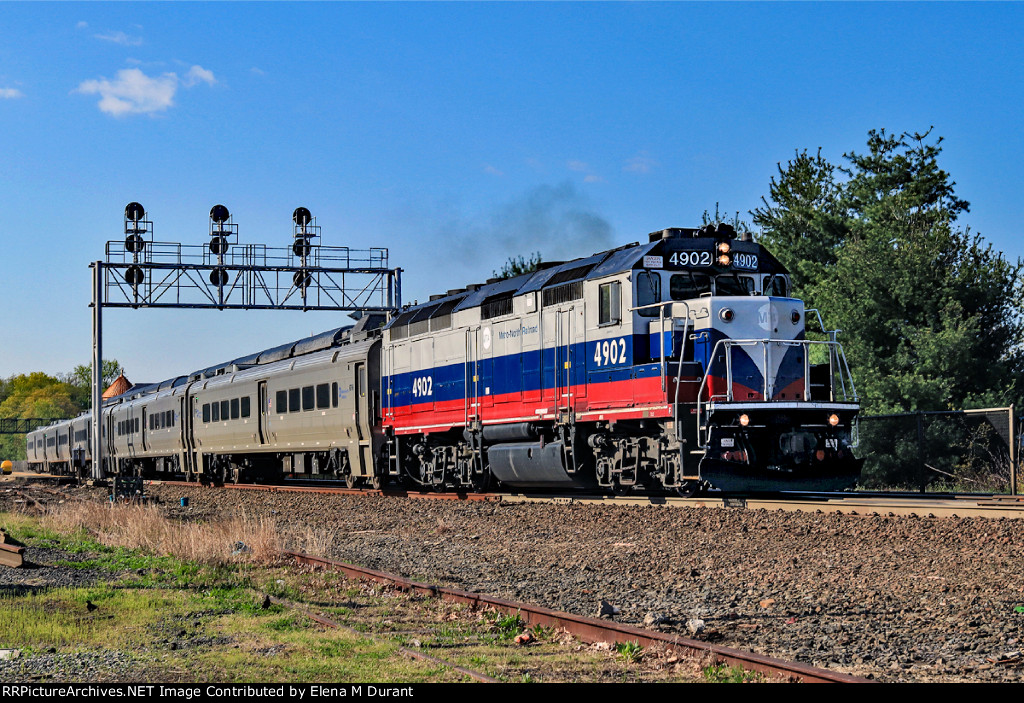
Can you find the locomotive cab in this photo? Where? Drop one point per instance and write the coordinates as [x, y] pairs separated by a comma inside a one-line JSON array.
[[773, 409]]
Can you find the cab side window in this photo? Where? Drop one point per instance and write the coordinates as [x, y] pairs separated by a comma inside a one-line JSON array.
[[609, 307]]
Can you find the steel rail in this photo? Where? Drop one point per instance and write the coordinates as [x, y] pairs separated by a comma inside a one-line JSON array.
[[858, 505], [590, 629]]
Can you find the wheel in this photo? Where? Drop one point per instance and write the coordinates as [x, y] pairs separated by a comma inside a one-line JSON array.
[[688, 489]]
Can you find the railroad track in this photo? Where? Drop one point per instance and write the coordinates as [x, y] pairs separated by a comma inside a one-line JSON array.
[[856, 504], [589, 629]]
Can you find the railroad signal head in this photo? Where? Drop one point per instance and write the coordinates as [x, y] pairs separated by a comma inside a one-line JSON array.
[[219, 245], [134, 276], [301, 247], [134, 212], [301, 216], [219, 277], [134, 243], [302, 279], [219, 214]]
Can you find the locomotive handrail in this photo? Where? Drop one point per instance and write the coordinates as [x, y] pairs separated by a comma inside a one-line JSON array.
[[661, 331], [836, 358]]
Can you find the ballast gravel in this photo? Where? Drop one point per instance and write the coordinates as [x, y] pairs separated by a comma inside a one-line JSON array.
[[897, 599]]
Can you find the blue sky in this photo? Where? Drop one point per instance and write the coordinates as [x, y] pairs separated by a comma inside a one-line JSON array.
[[454, 134]]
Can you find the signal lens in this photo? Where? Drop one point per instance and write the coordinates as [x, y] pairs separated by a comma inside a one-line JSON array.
[[727, 314]]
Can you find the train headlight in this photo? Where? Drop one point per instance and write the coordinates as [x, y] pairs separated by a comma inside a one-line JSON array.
[[744, 420], [727, 314], [724, 248], [795, 316], [833, 419], [724, 260]]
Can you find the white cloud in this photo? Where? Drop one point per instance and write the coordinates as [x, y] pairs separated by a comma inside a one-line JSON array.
[[575, 165], [81, 25], [198, 74], [120, 38], [493, 171], [133, 92], [592, 178], [641, 163], [258, 71], [11, 93]]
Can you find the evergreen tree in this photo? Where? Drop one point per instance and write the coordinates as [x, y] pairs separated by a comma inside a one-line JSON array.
[[517, 265], [931, 314]]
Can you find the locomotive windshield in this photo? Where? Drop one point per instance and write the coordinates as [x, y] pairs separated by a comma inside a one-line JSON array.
[[731, 284], [775, 285], [687, 285]]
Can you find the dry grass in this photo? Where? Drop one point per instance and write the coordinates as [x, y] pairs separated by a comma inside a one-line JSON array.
[[315, 540], [143, 527]]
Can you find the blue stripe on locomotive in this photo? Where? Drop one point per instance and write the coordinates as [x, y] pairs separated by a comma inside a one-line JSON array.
[[524, 372], [515, 373]]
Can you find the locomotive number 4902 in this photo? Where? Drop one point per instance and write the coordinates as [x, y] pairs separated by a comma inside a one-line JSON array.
[[423, 386], [690, 258], [610, 352]]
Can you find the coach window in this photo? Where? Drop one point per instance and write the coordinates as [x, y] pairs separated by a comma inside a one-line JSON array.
[[225, 408], [294, 400], [206, 412], [610, 304], [362, 381], [215, 412], [323, 396], [648, 292], [136, 425], [334, 394], [234, 408], [282, 402], [245, 406], [307, 398]]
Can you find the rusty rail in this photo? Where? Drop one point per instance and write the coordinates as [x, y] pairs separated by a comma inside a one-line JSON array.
[[591, 629]]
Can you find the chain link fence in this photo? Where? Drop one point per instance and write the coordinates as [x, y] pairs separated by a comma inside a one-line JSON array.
[[959, 451]]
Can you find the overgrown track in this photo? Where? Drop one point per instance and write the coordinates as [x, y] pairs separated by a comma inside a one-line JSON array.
[[592, 629]]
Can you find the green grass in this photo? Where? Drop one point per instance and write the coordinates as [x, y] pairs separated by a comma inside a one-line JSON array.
[[630, 651], [188, 622], [508, 626], [720, 673]]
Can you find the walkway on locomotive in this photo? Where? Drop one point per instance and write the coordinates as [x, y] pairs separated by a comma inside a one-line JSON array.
[[588, 334]]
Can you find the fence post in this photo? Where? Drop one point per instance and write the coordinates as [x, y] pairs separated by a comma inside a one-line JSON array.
[[1013, 454], [920, 451]]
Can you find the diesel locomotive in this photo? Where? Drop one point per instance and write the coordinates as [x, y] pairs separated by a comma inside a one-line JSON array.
[[679, 364]]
